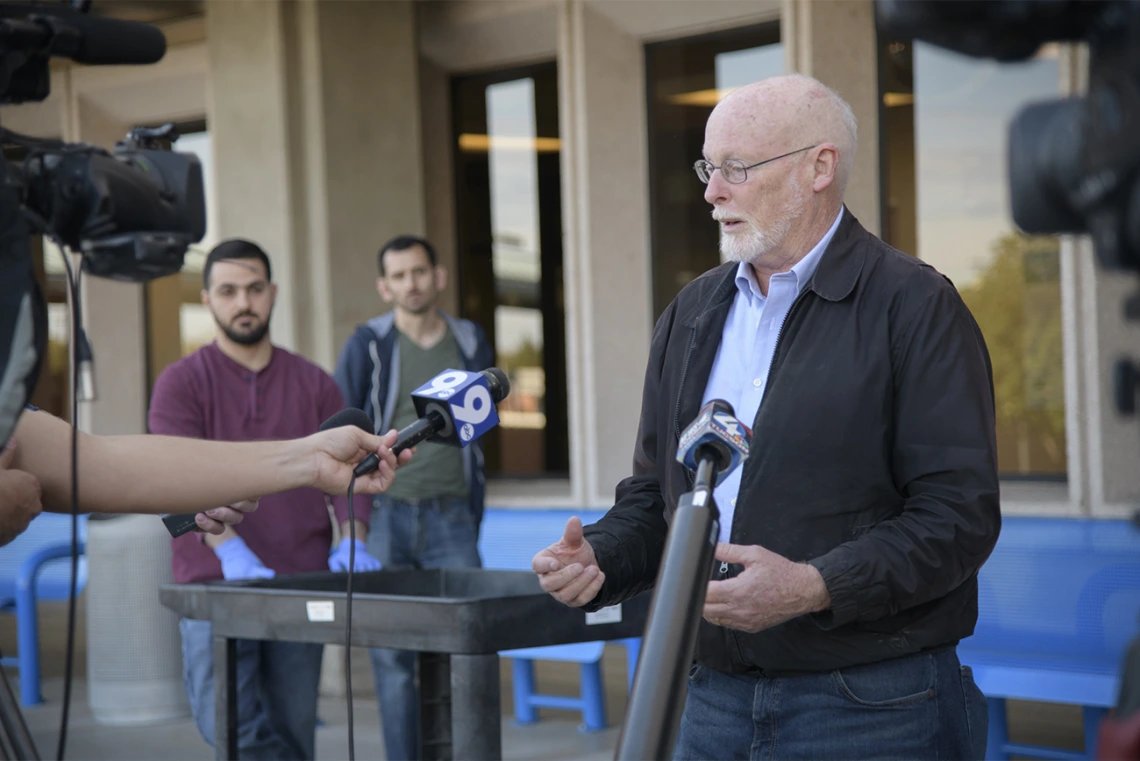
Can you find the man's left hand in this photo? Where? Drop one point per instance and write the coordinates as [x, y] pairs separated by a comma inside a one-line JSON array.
[[770, 590], [338, 560]]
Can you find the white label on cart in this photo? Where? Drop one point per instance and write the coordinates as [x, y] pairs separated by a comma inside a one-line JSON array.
[[319, 610], [610, 615]]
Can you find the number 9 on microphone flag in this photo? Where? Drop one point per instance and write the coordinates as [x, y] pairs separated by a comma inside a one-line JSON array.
[[464, 400]]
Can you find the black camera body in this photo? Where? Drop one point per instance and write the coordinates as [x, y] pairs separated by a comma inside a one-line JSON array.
[[131, 213], [1074, 163]]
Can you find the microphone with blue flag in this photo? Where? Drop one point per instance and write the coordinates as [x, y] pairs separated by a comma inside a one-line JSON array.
[[455, 407], [716, 434]]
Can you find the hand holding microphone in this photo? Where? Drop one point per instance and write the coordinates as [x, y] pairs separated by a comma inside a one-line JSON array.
[[455, 407]]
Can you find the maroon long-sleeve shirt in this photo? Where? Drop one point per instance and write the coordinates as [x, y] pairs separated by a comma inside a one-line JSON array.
[[207, 395]]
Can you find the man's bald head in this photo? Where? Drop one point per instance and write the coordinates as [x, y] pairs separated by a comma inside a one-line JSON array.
[[777, 158], [788, 112]]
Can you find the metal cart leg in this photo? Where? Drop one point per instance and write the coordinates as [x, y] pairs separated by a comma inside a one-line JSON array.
[[476, 716], [225, 699], [435, 707]]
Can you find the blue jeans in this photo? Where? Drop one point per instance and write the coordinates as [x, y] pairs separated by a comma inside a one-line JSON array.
[[276, 693], [426, 533], [923, 706]]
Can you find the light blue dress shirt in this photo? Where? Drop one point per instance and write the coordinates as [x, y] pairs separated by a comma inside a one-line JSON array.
[[740, 371]]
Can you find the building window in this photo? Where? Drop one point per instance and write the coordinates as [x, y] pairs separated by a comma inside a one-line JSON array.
[[945, 122], [509, 218], [685, 79]]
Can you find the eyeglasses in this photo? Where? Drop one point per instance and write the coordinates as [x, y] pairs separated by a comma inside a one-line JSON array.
[[734, 170]]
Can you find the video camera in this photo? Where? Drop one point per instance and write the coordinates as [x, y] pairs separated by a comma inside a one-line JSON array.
[[131, 213], [1074, 163]]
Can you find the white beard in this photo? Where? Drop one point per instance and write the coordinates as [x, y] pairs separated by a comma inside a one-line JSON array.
[[756, 241]]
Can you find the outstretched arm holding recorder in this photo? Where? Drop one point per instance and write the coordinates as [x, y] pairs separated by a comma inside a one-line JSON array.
[[155, 474]]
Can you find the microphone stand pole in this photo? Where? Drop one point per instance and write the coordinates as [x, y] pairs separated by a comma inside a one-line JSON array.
[[660, 685]]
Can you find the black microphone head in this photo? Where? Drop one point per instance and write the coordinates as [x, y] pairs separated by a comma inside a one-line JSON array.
[[93, 39], [499, 382], [117, 41], [349, 416], [720, 405]]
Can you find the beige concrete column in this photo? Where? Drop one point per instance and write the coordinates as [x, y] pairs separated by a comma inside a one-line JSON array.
[[606, 253], [835, 42], [315, 120], [114, 314], [247, 111], [439, 172], [1113, 439], [372, 163]]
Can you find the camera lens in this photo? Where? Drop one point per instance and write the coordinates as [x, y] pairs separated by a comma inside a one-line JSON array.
[[1044, 165]]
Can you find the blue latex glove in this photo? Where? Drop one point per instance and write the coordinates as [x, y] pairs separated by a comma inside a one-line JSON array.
[[239, 562], [338, 560]]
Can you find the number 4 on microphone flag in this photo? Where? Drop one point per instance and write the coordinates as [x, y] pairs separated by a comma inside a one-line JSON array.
[[464, 399]]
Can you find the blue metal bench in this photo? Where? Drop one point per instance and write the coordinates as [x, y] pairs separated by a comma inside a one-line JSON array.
[[509, 540], [1059, 600], [37, 566]]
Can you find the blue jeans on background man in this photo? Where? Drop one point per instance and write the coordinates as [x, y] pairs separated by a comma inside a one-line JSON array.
[[923, 706], [277, 686], [425, 533]]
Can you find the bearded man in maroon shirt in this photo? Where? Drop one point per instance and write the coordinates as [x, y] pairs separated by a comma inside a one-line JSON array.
[[243, 388]]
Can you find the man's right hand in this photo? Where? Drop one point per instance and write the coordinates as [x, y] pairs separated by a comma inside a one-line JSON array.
[[568, 569], [19, 496], [217, 519]]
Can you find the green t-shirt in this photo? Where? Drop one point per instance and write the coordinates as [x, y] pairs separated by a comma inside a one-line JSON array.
[[436, 470]]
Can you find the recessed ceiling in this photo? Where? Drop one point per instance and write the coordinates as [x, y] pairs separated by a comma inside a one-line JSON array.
[[149, 11]]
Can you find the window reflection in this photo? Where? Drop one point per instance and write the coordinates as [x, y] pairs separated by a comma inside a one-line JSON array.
[[509, 236], [515, 261], [686, 79], [200, 144], [946, 119], [195, 324]]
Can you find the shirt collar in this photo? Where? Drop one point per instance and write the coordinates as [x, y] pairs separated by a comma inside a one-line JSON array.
[[801, 270], [237, 368]]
